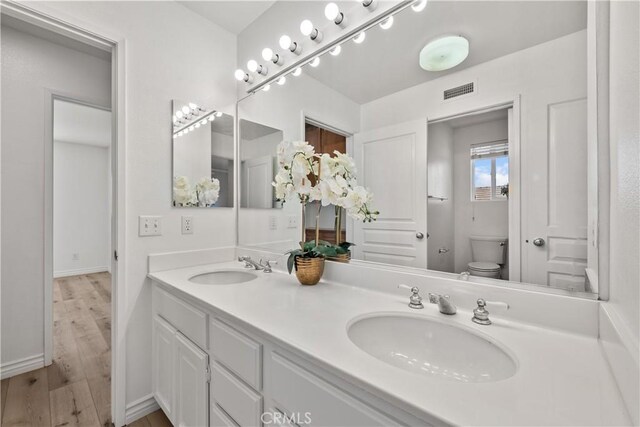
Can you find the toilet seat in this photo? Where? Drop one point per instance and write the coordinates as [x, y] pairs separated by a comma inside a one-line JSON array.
[[484, 266]]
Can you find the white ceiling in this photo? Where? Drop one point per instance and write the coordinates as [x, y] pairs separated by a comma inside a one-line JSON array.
[[233, 16], [81, 124], [387, 61]]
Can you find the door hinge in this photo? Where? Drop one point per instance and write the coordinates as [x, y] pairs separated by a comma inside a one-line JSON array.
[[115, 255]]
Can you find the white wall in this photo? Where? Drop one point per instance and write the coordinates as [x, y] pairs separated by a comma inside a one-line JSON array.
[[81, 181], [490, 218], [171, 53], [624, 303], [282, 108], [440, 213], [30, 65]]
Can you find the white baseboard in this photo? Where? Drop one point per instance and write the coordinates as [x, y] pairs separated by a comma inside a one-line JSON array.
[[79, 271], [620, 348], [140, 408], [21, 366]]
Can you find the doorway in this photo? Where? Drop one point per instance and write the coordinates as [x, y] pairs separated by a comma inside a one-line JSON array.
[[468, 194], [325, 141]]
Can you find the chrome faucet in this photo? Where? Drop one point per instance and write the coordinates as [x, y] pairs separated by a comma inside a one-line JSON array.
[[249, 263], [444, 304]]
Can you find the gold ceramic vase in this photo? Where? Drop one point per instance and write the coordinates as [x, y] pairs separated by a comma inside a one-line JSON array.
[[309, 270]]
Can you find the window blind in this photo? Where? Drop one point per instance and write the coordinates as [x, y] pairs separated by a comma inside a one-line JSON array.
[[487, 150]]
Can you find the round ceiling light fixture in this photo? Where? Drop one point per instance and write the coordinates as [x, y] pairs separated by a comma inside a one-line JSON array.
[[444, 53]]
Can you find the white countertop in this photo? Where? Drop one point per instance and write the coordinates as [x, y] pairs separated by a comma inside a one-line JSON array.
[[562, 378]]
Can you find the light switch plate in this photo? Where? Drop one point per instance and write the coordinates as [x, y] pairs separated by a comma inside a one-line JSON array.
[[149, 226], [187, 225], [273, 222]]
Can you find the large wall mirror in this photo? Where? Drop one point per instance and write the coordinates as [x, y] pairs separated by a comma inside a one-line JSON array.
[[203, 156], [467, 122]]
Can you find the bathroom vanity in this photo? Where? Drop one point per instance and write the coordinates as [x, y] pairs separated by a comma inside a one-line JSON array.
[[249, 345]]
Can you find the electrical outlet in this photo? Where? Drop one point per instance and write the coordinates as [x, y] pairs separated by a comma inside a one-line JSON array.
[[273, 222], [149, 226], [75, 256], [187, 225], [292, 221]]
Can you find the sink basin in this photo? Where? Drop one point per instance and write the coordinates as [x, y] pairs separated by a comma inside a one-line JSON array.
[[429, 347], [223, 277]]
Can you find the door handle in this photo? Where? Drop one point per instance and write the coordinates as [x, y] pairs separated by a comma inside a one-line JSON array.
[[419, 235], [539, 241]]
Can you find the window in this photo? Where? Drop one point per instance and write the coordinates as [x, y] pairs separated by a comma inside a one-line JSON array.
[[490, 171]]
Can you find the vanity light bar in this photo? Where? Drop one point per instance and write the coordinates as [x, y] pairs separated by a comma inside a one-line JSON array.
[[312, 57], [196, 123]]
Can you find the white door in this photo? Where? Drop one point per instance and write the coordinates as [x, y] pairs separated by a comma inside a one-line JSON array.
[[191, 384], [163, 362], [257, 176], [392, 163], [554, 176]]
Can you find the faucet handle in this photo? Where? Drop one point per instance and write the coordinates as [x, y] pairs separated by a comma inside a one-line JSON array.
[[266, 267], [415, 300], [498, 304], [481, 314]]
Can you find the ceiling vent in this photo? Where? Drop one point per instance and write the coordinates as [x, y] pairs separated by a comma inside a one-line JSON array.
[[455, 92]]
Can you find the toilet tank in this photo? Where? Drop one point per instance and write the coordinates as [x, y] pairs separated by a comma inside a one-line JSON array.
[[489, 249]]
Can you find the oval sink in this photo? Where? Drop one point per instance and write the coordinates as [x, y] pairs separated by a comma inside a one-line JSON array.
[[223, 277], [429, 347]]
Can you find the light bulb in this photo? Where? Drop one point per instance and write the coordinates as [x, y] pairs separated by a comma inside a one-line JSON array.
[[252, 65], [368, 4], [186, 110], [239, 74], [193, 106], [203, 122], [186, 131], [297, 72], [336, 50], [179, 114], [197, 125], [331, 11], [306, 27], [282, 80], [315, 62], [267, 54], [419, 5], [219, 114], [285, 42], [175, 136], [174, 118], [191, 128], [266, 88], [212, 118], [360, 37], [387, 23]]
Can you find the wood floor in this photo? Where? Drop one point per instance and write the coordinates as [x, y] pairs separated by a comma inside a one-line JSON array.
[[75, 390]]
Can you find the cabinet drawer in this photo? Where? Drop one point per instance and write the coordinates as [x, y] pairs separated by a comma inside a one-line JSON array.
[[236, 351], [183, 316], [302, 392], [219, 418], [239, 401]]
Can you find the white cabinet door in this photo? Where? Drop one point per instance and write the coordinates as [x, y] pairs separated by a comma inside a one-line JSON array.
[[392, 162], [163, 362], [191, 384]]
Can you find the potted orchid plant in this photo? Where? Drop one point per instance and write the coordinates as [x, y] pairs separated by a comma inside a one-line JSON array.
[[308, 177]]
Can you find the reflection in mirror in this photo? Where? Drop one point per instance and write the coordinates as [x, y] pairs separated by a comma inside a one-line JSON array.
[[202, 156], [477, 160], [258, 162]]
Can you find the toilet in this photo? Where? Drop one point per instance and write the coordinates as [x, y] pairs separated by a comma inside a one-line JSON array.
[[488, 254]]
